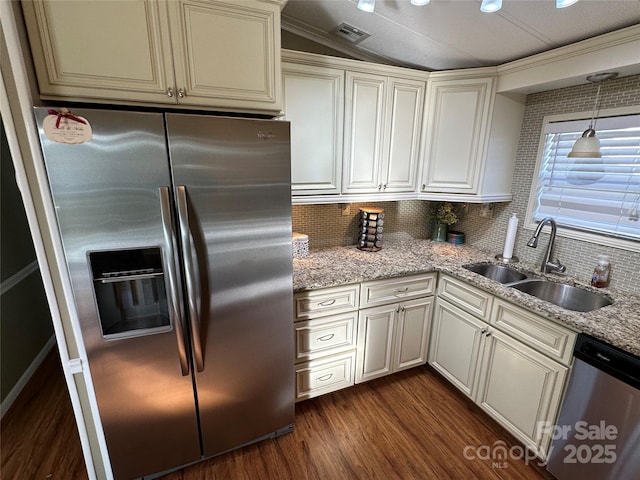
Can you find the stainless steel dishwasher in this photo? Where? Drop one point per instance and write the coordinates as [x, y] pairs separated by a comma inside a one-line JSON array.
[[597, 436]]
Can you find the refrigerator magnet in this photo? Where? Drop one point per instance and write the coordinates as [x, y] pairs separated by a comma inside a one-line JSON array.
[[62, 126]]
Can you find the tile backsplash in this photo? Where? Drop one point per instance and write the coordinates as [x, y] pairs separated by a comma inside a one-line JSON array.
[[327, 227]]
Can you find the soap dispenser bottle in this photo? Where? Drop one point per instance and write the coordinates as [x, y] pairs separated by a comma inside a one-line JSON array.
[[602, 272]]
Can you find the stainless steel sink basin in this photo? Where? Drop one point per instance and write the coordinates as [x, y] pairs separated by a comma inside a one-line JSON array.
[[565, 296], [499, 273]]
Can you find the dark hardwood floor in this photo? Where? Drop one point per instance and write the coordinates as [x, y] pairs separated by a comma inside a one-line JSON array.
[[38, 435], [411, 425]]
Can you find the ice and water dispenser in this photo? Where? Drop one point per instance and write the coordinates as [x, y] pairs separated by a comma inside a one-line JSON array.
[[130, 292]]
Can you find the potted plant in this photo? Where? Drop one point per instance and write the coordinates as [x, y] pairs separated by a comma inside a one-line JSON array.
[[446, 214]]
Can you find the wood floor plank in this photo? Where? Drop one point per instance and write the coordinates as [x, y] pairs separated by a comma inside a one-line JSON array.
[[412, 425], [38, 435]]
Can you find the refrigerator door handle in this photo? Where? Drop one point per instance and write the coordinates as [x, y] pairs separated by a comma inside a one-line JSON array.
[[183, 217], [174, 303]]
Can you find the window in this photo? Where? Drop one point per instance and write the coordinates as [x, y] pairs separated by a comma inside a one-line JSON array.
[[594, 199]]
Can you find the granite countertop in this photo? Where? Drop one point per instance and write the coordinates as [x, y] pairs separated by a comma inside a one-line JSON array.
[[617, 324]]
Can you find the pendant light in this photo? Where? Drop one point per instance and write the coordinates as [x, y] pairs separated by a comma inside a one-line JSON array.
[[588, 145]]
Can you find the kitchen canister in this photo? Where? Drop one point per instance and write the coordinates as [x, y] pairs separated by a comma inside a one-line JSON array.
[[371, 226], [300, 245]]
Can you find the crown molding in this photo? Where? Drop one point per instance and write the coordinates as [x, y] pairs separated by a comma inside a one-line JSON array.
[[569, 65]]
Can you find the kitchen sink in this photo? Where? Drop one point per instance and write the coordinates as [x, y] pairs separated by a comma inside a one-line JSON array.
[[565, 296], [499, 273]]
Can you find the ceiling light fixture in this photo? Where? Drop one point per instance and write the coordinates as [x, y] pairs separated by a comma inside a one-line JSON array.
[[487, 6], [490, 6], [565, 3], [367, 5], [588, 145]]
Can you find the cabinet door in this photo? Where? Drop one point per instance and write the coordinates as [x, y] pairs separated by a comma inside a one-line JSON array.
[[456, 339], [314, 104], [520, 388], [227, 53], [101, 49], [412, 333], [402, 134], [364, 129], [375, 342], [457, 118]]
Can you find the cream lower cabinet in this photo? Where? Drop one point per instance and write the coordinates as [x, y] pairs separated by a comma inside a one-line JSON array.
[[214, 53], [353, 333], [392, 338], [513, 381], [394, 323], [325, 339]]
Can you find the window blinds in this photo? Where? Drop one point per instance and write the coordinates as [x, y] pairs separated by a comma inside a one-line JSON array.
[[598, 195]]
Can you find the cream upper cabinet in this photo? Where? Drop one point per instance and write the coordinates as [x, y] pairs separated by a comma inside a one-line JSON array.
[[227, 53], [382, 130], [212, 53], [457, 114], [402, 135], [314, 104], [470, 139], [364, 127]]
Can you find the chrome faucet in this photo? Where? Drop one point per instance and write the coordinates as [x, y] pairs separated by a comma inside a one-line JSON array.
[[547, 264]]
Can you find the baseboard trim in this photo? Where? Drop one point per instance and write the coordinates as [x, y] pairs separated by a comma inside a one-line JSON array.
[[18, 277], [26, 376]]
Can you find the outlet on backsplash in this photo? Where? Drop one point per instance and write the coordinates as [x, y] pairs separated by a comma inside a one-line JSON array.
[[486, 210]]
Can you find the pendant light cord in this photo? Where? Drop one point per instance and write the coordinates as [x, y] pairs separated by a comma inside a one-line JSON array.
[[596, 109]]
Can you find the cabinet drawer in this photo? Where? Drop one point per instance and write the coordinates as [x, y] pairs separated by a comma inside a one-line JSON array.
[[380, 292], [473, 300], [328, 301], [539, 333], [318, 377], [325, 336]]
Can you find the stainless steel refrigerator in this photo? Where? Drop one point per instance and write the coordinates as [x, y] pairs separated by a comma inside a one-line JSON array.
[[176, 231]]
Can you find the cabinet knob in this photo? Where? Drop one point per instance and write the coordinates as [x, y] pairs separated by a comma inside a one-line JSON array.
[[488, 334], [379, 187], [181, 93], [169, 92], [384, 187], [483, 331]]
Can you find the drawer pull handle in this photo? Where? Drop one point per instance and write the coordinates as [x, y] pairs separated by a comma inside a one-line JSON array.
[[401, 290], [326, 303], [324, 378], [329, 336]]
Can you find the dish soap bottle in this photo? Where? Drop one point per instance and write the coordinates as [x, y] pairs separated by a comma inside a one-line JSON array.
[[602, 272]]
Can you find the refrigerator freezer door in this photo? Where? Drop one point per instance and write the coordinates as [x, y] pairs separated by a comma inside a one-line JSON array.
[[235, 175], [107, 198]]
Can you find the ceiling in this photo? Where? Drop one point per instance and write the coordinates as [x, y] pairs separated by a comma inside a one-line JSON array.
[[452, 34]]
